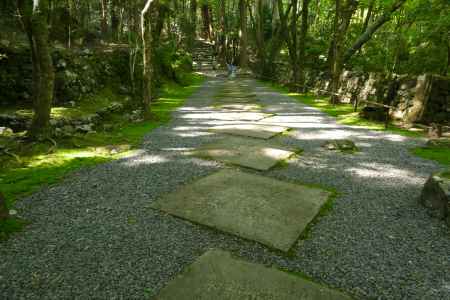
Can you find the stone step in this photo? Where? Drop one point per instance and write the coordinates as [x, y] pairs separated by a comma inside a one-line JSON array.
[[258, 208], [217, 275]]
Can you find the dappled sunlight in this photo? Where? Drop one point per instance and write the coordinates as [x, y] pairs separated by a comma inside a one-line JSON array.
[[145, 159], [191, 134], [178, 149], [250, 116], [383, 171]]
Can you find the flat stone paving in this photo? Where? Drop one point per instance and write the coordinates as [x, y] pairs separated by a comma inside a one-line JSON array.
[[251, 130], [216, 275], [251, 153], [254, 207], [240, 106]]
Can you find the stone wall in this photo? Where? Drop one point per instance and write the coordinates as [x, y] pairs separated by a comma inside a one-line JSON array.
[[77, 73], [424, 99]]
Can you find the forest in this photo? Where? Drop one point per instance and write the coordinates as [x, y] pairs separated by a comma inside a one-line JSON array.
[[177, 124]]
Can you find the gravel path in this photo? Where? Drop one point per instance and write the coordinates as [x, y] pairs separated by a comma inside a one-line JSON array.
[[94, 235]]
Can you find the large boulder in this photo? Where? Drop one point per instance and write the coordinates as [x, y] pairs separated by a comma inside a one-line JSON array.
[[341, 145], [436, 195], [374, 113]]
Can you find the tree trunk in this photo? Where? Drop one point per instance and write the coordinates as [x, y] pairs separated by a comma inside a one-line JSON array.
[[206, 18], [293, 48], [343, 15], [194, 18], [146, 34], [222, 34], [260, 45], [243, 55], [104, 17], [302, 43], [114, 20], [34, 20]]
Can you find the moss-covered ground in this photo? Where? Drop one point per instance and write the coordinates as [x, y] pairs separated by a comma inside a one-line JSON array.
[[42, 164]]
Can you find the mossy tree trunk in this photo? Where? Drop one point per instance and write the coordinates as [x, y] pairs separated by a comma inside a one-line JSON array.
[[34, 19], [302, 45], [146, 34], [344, 10], [243, 43], [222, 43]]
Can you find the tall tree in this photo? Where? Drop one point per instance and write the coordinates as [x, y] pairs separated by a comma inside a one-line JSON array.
[[146, 34], [302, 45], [243, 43], [344, 10], [33, 17]]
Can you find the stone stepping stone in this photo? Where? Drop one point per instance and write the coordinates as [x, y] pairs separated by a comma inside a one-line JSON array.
[[251, 206], [236, 95], [227, 116], [228, 100], [251, 130], [251, 153], [217, 275], [240, 106]]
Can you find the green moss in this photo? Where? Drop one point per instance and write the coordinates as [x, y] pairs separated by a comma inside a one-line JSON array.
[[344, 113], [39, 168], [446, 174], [10, 226], [439, 154]]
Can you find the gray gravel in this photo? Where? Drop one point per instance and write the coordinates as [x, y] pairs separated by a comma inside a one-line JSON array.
[[94, 235]]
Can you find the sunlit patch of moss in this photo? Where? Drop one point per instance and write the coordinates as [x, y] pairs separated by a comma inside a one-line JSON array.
[[344, 113], [439, 154], [39, 167]]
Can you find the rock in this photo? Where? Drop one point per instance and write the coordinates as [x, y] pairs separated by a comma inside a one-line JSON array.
[[92, 118], [69, 129], [108, 127], [72, 103], [374, 113], [347, 145], [342, 145], [441, 143], [53, 122], [115, 107], [85, 128], [435, 131], [436, 195], [330, 145], [5, 131]]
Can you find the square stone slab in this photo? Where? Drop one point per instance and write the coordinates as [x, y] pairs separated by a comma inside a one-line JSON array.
[[227, 116], [217, 275], [251, 153], [240, 106], [230, 100], [254, 207], [236, 95], [251, 130]]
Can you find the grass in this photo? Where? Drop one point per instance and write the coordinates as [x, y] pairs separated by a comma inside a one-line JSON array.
[[439, 154], [344, 113], [38, 168]]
